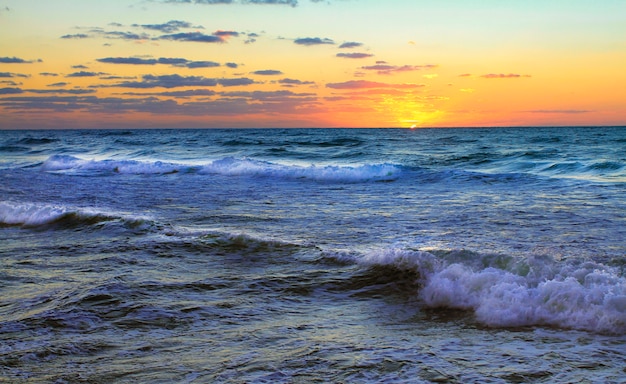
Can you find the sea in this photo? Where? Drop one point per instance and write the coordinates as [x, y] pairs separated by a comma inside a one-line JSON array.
[[478, 255]]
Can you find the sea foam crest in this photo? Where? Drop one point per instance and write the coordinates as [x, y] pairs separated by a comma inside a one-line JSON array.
[[35, 215], [70, 163], [587, 296], [229, 166], [344, 173]]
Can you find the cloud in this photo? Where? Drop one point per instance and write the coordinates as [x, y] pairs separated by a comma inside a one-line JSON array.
[[287, 81], [14, 60], [292, 3], [363, 84], [466, 75], [169, 27], [10, 91], [175, 61], [355, 55], [168, 81], [10, 74], [560, 111], [350, 44], [267, 95], [79, 67], [175, 81], [268, 72], [127, 60], [86, 103], [62, 91], [75, 36], [225, 34], [124, 35], [182, 94], [201, 64], [193, 37], [61, 84], [239, 104], [313, 41], [235, 82], [85, 74], [503, 76], [232, 65], [251, 38], [382, 68], [48, 74]]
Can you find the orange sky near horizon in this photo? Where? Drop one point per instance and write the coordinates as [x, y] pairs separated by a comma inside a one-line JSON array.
[[306, 63]]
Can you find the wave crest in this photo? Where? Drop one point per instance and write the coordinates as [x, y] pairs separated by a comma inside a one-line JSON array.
[[31, 215], [535, 291], [228, 166]]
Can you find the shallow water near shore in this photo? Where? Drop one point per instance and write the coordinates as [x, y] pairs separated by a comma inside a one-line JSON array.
[[348, 255]]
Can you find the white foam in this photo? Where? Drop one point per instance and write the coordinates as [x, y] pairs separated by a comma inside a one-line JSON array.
[[70, 163], [344, 173], [29, 214], [229, 166], [34, 214], [587, 296]]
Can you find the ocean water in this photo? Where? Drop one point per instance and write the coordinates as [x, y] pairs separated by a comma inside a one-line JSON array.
[[313, 256]]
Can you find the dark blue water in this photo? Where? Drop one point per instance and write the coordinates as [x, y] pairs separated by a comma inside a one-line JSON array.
[[374, 255]]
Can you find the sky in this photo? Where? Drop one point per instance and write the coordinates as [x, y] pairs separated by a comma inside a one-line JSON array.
[[311, 63]]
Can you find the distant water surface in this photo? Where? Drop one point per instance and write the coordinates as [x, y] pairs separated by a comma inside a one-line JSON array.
[[303, 255]]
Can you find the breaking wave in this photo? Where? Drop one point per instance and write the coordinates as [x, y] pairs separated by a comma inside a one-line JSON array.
[[228, 166], [508, 292], [32, 215]]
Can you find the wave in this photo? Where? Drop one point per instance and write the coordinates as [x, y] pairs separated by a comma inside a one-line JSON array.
[[508, 292], [338, 173], [228, 166], [37, 141], [71, 164], [33, 215]]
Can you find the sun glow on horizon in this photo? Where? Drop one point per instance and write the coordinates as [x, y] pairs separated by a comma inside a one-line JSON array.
[[200, 64]]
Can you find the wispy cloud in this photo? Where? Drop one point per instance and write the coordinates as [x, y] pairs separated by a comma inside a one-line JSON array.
[[313, 41], [560, 111], [62, 91], [364, 84], [176, 62], [386, 69], [76, 36], [10, 74], [226, 34], [292, 82], [197, 37], [175, 81], [292, 3], [266, 95], [17, 60], [124, 35], [169, 27], [354, 55], [10, 91], [268, 72], [85, 74], [503, 76], [350, 44], [181, 94]]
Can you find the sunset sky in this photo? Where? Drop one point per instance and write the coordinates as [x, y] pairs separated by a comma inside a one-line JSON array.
[[311, 63]]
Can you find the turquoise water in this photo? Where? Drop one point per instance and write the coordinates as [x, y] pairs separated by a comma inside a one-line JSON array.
[[373, 255]]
